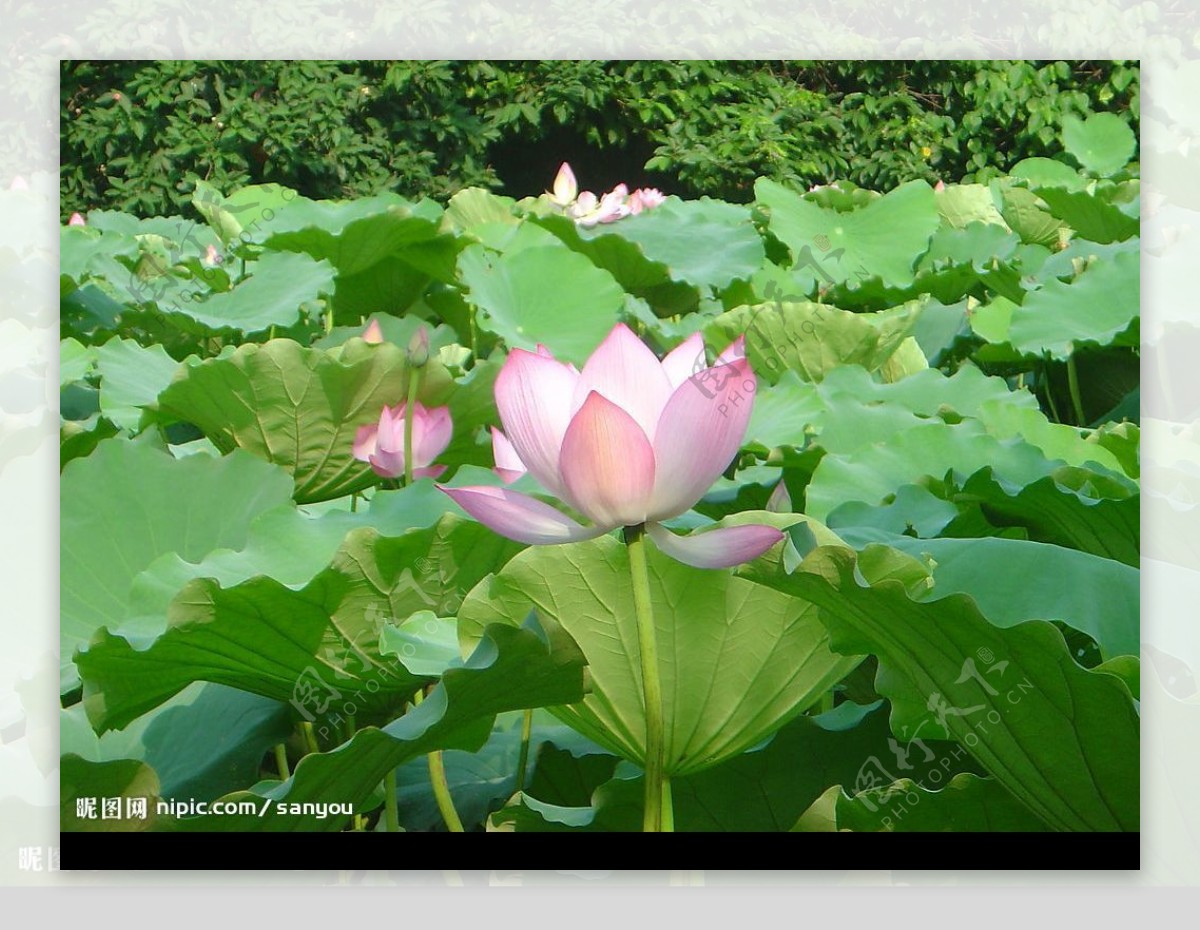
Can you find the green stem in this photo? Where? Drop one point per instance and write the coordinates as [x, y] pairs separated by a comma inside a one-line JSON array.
[[354, 502], [1073, 385], [653, 819], [668, 808], [281, 762], [472, 333], [523, 758], [1050, 394], [414, 380], [441, 787], [391, 816], [441, 792], [310, 737]]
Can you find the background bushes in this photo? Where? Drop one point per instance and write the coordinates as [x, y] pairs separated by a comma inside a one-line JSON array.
[[135, 135]]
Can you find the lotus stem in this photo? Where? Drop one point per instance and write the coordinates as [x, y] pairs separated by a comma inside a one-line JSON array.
[[523, 758], [1073, 385], [656, 788], [414, 381], [281, 762], [391, 816], [441, 787]]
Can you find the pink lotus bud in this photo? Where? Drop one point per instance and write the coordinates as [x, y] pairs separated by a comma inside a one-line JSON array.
[[565, 186], [382, 444], [76, 220], [418, 348], [373, 333], [212, 257], [780, 500], [940, 186], [629, 440]]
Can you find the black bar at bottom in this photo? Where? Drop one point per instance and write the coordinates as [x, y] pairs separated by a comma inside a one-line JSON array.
[[804, 851]]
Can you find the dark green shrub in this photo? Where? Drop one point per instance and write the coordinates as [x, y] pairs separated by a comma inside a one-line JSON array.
[[136, 134]]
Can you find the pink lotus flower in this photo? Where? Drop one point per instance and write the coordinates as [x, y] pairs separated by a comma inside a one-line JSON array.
[[628, 440], [645, 198], [76, 220], [212, 257], [383, 444], [588, 211]]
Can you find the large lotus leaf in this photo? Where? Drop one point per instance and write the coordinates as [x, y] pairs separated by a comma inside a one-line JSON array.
[[1072, 507], [965, 803], [353, 235], [1090, 215], [75, 361], [1027, 216], [385, 249], [243, 211], [127, 504], [298, 407], [881, 240], [849, 409], [1102, 143], [542, 294], [1060, 738], [622, 257], [1046, 172], [811, 338], [705, 243], [131, 378], [734, 664], [1056, 440], [474, 207], [89, 253], [275, 293], [291, 546], [1013, 580], [206, 741], [511, 669], [765, 789], [961, 204], [930, 450], [295, 645], [1099, 307]]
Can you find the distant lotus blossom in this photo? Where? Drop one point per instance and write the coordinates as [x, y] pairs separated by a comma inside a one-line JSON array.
[[629, 440], [645, 198], [76, 220], [586, 209], [382, 444], [212, 257]]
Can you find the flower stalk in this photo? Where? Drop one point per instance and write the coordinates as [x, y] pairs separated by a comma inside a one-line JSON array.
[[654, 820]]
